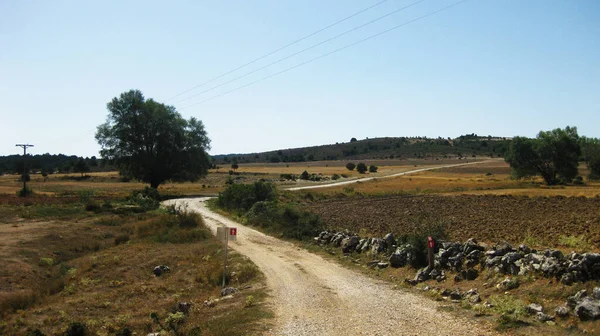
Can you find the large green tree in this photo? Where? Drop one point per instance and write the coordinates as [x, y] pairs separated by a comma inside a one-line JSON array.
[[591, 155], [553, 154], [152, 142]]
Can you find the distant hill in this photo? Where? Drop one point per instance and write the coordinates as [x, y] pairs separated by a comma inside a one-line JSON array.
[[380, 148]]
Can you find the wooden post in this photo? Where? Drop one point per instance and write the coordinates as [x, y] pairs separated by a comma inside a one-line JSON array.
[[24, 176], [430, 246]]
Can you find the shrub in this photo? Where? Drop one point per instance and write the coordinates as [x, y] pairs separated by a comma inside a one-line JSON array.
[[172, 229], [578, 180], [247, 272], [304, 175], [361, 168], [17, 300], [121, 239], [24, 192], [147, 199], [243, 196], [350, 166], [76, 329], [372, 169], [424, 228], [335, 177], [46, 262], [250, 301], [286, 220]]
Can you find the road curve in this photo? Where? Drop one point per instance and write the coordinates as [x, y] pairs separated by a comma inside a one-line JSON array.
[[315, 296], [364, 179]]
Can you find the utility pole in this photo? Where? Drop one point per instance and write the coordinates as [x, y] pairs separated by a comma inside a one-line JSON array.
[[24, 146]]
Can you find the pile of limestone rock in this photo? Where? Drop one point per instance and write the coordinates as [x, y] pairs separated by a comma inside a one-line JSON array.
[[468, 259]]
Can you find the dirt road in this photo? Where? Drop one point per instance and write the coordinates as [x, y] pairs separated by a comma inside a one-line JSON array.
[[314, 296], [364, 179]]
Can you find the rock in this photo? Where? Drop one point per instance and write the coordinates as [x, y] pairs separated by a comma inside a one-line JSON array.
[[555, 254], [475, 298], [471, 274], [499, 250], [382, 265], [422, 275], [373, 263], [534, 308], [572, 301], [508, 284], [389, 239], [562, 311], [161, 269], [184, 307], [210, 303], [349, 244], [402, 256], [587, 309], [550, 267], [228, 291], [544, 317], [596, 293], [377, 246], [455, 295], [567, 279], [524, 249]]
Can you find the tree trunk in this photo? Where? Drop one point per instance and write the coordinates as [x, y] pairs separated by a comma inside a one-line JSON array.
[[154, 185]]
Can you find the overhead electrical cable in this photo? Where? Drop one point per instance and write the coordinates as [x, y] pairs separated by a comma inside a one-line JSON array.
[[303, 50], [281, 48], [329, 53]]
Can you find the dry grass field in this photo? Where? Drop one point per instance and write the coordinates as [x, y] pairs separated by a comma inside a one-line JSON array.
[[64, 265], [481, 179]]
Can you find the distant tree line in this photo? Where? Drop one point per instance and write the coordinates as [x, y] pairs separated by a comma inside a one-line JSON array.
[[53, 163], [381, 148]]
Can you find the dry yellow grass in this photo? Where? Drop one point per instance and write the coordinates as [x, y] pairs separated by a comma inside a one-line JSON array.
[[481, 179]]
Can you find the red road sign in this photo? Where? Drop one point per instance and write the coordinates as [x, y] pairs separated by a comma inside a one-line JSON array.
[[430, 242], [233, 231]]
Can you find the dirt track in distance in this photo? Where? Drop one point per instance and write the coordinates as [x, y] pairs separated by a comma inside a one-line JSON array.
[[314, 296]]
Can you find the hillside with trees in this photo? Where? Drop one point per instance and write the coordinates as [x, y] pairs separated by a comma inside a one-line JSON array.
[[381, 148]]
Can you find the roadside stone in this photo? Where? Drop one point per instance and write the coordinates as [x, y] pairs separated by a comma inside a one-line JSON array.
[[545, 317], [161, 269], [349, 244], [455, 295], [402, 256], [587, 309], [562, 311], [228, 291], [534, 308], [389, 240], [382, 265], [596, 293], [572, 301]]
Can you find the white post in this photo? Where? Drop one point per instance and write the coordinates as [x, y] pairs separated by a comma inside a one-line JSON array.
[[226, 231]]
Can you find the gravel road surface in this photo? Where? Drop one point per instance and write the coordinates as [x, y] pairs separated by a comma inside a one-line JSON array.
[[315, 296]]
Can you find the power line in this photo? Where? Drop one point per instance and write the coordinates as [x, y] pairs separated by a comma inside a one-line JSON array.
[[303, 50], [281, 48], [330, 53]]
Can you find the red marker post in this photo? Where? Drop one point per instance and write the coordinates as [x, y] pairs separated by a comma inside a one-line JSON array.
[[430, 246], [229, 234]]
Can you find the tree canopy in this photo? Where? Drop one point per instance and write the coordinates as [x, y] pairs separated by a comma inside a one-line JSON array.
[[552, 154], [152, 142], [361, 168], [591, 155]]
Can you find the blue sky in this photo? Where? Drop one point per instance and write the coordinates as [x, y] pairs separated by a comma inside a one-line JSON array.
[[498, 67]]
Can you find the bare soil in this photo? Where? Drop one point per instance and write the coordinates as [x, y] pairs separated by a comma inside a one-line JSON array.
[[487, 217]]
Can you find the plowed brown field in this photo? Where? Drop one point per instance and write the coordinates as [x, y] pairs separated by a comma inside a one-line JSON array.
[[486, 218]]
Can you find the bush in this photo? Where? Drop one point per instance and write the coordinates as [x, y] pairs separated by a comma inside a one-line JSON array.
[[286, 220], [242, 197], [350, 166], [335, 177], [24, 192], [578, 180], [121, 239], [46, 262], [425, 227], [76, 329], [361, 168], [304, 175], [372, 169], [147, 199], [250, 301]]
